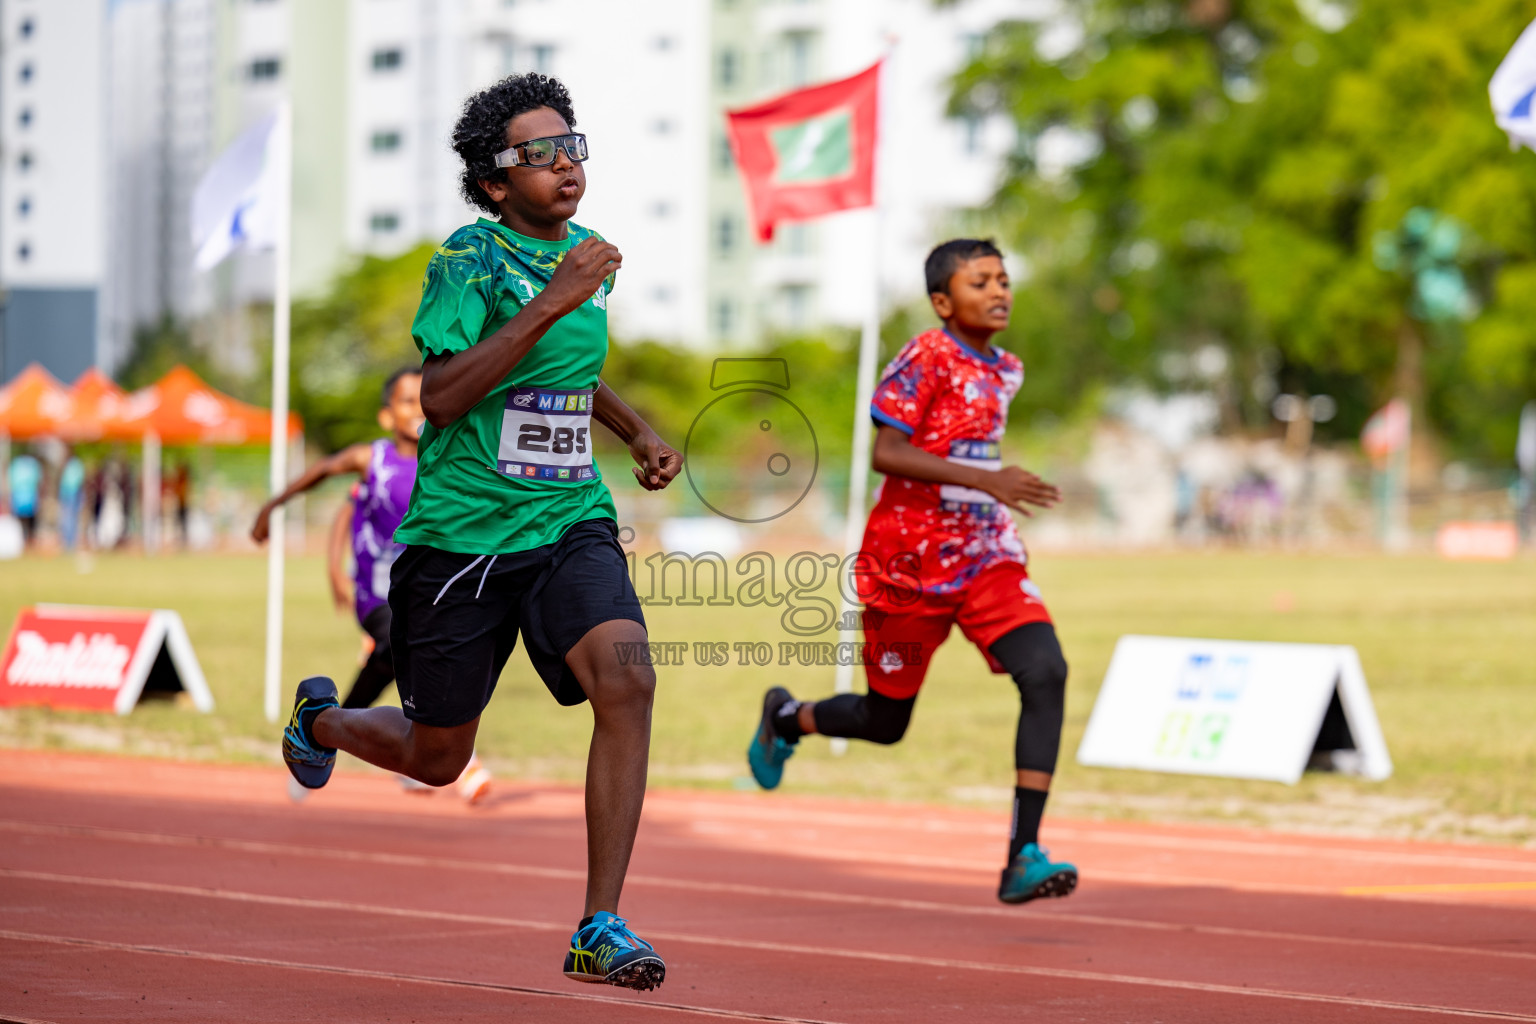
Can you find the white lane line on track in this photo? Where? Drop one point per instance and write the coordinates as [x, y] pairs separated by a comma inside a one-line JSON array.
[[420, 979], [736, 888], [823, 853], [864, 823], [795, 949], [688, 809]]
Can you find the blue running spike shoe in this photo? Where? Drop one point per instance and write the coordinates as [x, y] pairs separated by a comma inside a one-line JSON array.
[[604, 951], [309, 762], [1032, 876], [768, 750]]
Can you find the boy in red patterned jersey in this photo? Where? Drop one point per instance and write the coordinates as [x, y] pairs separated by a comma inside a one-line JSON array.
[[941, 549]]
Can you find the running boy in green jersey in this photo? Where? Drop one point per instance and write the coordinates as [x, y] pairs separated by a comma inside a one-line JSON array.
[[510, 528]]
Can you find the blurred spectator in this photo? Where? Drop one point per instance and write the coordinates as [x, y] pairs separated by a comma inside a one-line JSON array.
[[113, 500], [178, 489], [71, 500], [26, 483]]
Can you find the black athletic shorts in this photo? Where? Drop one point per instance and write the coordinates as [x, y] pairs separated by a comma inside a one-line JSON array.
[[456, 617]]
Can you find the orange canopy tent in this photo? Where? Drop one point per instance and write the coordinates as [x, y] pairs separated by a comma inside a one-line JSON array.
[[34, 405], [98, 409], [180, 408]]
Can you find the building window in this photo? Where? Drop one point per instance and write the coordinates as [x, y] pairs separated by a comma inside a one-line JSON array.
[[24, 162], [795, 239], [661, 126], [24, 252], [662, 43], [24, 207], [388, 60], [661, 208], [385, 141], [725, 233], [728, 68], [725, 316], [384, 223], [26, 28], [797, 305], [725, 160], [662, 294], [26, 73], [25, 117], [264, 69], [543, 58], [798, 46], [971, 126]]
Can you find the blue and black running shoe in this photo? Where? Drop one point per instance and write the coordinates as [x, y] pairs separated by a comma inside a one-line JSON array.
[[309, 762], [768, 750], [1032, 876], [604, 951]]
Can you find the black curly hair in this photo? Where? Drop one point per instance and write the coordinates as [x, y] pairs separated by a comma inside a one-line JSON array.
[[947, 258], [481, 131]]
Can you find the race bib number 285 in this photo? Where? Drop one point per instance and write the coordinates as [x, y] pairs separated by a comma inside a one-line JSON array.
[[546, 435]]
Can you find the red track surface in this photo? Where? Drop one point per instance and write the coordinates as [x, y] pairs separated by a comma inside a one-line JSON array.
[[149, 891]]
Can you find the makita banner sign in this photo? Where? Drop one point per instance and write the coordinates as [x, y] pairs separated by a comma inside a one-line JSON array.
[[98, 659]]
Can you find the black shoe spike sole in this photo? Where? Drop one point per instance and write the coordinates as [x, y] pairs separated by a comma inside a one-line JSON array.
[[1055, 886], [644, 975]]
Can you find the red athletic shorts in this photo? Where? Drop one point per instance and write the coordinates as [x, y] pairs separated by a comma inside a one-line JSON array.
[[1000, 600]]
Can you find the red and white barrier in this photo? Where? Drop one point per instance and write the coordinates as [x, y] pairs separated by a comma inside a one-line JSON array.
[[98, 659], [1490, 542]]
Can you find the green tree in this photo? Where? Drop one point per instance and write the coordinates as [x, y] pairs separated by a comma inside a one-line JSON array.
[[1236, 161], [346, 343]]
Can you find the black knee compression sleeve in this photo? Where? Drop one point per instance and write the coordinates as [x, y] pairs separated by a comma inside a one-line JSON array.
[[872, 716], [1032, 655]]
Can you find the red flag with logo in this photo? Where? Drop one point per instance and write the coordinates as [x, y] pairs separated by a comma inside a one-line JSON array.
[[810, 152]]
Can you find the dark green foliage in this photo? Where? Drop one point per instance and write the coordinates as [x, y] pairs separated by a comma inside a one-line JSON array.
[[346, 343], [168, 343], [669, 387], [1245, 160]]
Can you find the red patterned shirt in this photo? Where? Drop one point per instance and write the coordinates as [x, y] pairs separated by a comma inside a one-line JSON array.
[[951, 401]]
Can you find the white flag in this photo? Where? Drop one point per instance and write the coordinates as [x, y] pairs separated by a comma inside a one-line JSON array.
[[1525, 441], [236, 203], [1513, 91]]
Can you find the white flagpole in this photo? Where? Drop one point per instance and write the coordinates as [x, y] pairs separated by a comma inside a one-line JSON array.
[[282, 141], [858, 460]]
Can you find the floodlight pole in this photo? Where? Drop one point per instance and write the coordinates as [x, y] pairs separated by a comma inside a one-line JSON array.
[[858, 463], [282, 145]]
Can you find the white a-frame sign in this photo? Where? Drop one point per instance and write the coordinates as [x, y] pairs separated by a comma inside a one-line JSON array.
[[1226, 707]]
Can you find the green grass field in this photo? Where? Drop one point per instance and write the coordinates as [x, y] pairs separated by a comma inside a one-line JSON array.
[[1449, 649]]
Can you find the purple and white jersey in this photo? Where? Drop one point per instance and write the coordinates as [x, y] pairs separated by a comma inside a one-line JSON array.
[[382, 498]]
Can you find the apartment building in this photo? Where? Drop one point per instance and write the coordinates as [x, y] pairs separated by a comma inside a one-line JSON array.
[[52, 187]]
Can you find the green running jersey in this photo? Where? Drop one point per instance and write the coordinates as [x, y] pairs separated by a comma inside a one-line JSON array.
[[516, 471]]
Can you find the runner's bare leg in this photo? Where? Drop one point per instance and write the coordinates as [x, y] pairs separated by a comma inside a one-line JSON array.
[[386, 738], [621, 696]]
